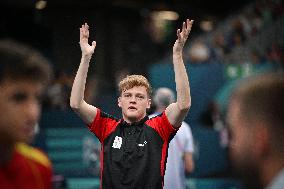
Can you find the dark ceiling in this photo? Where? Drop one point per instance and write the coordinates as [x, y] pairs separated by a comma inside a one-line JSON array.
[[128, 43], [198, 7]]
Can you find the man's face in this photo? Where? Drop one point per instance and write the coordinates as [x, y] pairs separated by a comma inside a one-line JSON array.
[[242, 145], [134, 103], [20, 109]]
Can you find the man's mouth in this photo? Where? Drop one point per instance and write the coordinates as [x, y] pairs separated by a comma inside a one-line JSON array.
[[132, 108], [28, 130]]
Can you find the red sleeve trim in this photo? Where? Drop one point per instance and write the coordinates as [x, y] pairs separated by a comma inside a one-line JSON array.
[[102, 125], [162, 125]]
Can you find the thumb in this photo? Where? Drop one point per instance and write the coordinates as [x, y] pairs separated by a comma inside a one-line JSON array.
[[94, 44]]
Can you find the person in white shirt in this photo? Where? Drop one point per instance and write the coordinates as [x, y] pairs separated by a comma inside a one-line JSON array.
[[180, 159]]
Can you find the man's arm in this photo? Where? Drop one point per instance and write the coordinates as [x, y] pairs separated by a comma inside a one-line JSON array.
[[86, 111], [177, 111], [188, 162]]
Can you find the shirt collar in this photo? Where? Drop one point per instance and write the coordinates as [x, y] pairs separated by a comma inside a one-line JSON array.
[[138, 123], [278, 181]]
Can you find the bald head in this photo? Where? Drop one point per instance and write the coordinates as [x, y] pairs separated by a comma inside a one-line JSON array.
[[163, 97]]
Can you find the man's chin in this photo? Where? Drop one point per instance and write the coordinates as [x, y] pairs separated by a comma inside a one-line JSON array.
[[249, 178], [132, 114], [26, 139], [133, 117]]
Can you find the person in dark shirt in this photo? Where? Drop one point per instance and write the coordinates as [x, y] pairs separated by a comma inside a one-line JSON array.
[[134, 148]]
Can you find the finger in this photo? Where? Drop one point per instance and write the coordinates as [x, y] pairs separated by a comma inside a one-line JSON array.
[[86, 26], [81, 34], [94, 43], [189, 24], [183, 27], [83, 30], [87, 30], [178, 34], [87, 33]]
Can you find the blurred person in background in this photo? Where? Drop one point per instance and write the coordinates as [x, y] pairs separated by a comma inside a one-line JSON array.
[[134, 148], [256, 122], [24, 74], [180, 152]]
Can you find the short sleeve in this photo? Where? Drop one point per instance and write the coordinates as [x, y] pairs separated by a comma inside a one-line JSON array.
[[162, 125], [187, 136], [103, 124]]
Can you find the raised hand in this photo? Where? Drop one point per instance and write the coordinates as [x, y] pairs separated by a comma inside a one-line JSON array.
[[84, 37], [182, 36]]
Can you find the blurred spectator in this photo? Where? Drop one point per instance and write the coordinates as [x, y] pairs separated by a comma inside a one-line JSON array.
[[180, 160], [275, 54], [59, 182], [237, 36], [199, 52], [231, 42], [23, 75], [212, 117], [92, 89], [220, 48], [256, 119], [58, 92], [120, 74], [255, 57]]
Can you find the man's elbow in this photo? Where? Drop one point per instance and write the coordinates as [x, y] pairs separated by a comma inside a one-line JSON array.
[[185, 106], [74, 105], [189, 167]]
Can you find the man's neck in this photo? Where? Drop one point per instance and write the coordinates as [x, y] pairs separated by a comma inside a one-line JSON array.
[[130, 121], [160, 109], [6, 151], [270, 169]]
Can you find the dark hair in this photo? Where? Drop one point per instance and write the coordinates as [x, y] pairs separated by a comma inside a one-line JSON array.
[[20, 62]]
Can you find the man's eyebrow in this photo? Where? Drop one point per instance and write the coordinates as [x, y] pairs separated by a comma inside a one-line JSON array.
[[126, 93], [139, 93]]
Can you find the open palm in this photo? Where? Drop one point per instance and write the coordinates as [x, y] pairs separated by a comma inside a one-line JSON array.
[[84, 37], [182, 36]]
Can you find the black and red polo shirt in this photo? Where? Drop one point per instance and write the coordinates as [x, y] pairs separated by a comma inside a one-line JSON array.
[[133, 156]]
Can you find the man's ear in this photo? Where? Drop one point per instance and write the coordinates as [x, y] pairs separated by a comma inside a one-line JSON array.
[[149, 103], [119, 102], [262, 140]]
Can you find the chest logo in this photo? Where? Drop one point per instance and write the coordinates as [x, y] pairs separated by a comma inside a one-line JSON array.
[[143, 144], [117, 142]]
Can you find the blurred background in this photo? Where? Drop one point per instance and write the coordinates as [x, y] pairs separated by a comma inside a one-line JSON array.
[[230, 40]]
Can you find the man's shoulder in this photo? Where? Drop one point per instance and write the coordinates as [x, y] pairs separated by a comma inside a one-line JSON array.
[[154, 115], [33, 154], [105, 115]]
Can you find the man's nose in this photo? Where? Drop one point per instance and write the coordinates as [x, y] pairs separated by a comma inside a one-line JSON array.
[[133, 99], [32, 111]]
